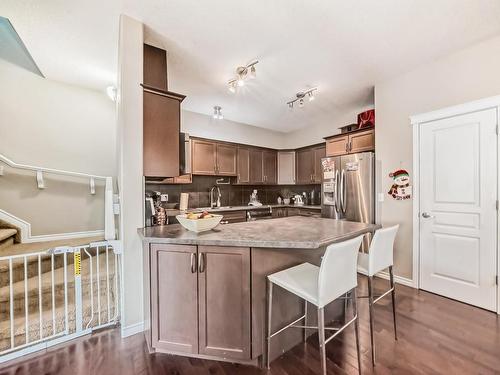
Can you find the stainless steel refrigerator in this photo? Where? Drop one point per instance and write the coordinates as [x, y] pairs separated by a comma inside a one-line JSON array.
[[348, 187]]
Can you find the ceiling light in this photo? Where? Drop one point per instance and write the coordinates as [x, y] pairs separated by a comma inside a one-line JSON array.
[[111, 91], [217, 113], [300, 97], [242, 73]]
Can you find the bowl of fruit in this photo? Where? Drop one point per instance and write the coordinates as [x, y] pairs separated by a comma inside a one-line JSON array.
[[199, 222]]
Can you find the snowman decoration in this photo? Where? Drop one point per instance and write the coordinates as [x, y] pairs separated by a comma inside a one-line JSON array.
[[400, 189]]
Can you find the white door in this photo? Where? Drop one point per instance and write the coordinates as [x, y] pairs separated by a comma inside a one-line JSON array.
[[458, 218]]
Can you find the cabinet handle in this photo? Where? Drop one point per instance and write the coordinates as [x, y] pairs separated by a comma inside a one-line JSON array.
[[201, 263], [193, 262], [350, 146]]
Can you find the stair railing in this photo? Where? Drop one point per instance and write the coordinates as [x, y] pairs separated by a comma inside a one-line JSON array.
[[87, 304], [109, 218]]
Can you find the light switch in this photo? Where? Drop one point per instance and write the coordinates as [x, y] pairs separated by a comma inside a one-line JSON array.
[[381, 197]]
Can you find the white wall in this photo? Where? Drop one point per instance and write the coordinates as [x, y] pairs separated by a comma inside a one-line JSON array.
[[54, 124], [129, 111], [470, 74], [205, 126]]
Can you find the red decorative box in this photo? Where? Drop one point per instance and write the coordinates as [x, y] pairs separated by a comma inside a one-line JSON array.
[[366, 119]]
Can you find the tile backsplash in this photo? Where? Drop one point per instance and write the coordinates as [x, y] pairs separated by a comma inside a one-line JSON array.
[[232, 195]]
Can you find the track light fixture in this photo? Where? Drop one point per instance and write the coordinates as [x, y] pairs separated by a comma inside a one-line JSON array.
[[242, 73], [217, 113], [300, 97]]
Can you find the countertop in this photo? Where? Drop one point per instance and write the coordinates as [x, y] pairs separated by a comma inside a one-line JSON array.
[[297, 232], [175, 211]]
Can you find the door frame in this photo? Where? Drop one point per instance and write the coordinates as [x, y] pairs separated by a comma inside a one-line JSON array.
[[419, 120]]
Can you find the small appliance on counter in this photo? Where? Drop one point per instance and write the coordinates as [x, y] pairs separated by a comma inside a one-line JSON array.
[[254, 200], [155, 213], [298, 200], [183, 204]]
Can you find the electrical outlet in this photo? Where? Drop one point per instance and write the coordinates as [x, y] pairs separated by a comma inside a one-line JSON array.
[[164, 197]]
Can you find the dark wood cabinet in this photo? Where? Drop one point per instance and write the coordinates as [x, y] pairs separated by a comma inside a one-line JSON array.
[[173, 296], [358, 141], [224, 301], [270, 166], [305, 166], [161, 126], [308, 164], [230, 217], [243, 165], [155, 68], [256, 167], [226, 157], [200, 300], [213, 158]]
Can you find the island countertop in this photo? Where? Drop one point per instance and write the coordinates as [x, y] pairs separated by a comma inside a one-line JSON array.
[[295, 232]]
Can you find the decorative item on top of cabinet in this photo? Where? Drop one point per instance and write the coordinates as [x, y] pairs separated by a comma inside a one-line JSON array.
[[213, 158], [357, 141], [155, 68]]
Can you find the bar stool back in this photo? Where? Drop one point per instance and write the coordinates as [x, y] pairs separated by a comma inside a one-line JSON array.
[[319, 286], [380, 256]]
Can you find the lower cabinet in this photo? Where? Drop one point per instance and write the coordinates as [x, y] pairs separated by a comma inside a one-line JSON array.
[[200, 300]]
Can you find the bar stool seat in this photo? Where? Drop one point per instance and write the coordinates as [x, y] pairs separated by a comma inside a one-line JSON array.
[[301, 280], [319, 286]]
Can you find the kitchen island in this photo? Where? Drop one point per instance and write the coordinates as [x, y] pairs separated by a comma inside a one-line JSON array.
[[205, 292]]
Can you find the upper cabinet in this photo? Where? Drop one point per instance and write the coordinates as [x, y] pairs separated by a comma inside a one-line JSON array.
[[256, 167], [243, 165], [213, 158], [270, 164], [161, 118], [351, 143], [308, 165]]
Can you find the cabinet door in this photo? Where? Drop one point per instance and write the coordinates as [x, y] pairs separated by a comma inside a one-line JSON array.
[[337, 145], [292, 211], [319, 153], [270, 161], [174, 298], [226, 160], [362, 141], [305, 165], [243, 165], [256, 171], [224, 301], [204, 157], [161, 119], [286, 167]]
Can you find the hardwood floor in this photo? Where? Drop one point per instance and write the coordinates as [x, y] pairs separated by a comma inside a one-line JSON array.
[[436, 336]]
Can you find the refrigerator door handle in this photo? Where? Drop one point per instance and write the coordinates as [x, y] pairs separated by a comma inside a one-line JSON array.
[[337, 192], [343, 194]]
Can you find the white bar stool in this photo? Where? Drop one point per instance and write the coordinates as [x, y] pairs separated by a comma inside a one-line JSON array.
[[380, 256], [319, 286]]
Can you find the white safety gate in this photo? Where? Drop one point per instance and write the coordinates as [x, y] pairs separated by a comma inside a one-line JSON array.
[[52, 296]]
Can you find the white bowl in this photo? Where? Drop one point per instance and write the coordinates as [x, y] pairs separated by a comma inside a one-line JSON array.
[[199, 225]]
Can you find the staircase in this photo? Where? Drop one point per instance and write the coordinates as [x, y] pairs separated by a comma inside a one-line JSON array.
[[43, 295], [7, 237]]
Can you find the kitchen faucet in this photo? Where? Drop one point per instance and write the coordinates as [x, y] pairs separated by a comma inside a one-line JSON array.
[[213, 202]]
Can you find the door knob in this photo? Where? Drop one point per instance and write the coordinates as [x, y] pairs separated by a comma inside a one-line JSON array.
[[427, 215]]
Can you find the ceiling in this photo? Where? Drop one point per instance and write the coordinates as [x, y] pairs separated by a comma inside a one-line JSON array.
[[342, 47]]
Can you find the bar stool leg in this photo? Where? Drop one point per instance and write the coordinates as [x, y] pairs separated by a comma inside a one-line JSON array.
[[269, 315], [321, 334], [305, 320], [393, 301], [356, 326], [370, 298]]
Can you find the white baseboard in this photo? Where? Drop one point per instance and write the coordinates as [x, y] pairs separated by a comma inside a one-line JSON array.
[[397, 279], [132, 329]]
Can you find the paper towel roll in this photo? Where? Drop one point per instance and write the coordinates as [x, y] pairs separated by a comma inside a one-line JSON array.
[[183, 205]]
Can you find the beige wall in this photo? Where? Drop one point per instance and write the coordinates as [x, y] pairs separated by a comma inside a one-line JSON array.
[[54, 125], [468, 75]]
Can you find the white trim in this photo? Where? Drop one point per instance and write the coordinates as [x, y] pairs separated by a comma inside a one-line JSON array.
[[132, 329], [422, 119], [397, 279]]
